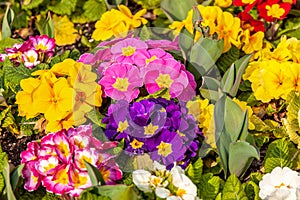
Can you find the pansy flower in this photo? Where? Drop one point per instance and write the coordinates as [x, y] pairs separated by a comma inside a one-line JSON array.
[[121, 81]]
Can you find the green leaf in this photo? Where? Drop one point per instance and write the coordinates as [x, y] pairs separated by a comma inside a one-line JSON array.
[[96, 117], [210, 88], [6, 174], [63, 7], [2, 182], [278, 154], [232, 78], [177, 10], [7, 22], [13, 76], [164, 93], [194, 171], [87, 195], [255, 177], [225, 61], [205, 53], [145, 33], [32, 4], [209, 186], [240, 156], [252, 190], [148, 4], [93, 9], [115, 192], [233, 189], [186, 42], [94, 174], [8, 42], [15, 176], [75, 54]]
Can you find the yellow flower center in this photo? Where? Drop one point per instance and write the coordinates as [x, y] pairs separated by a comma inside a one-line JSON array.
[[282, 185], [63, 148], [62, 177], [136, 144], [155, 181], [105, 174], [164, 149], [78, 180], [128, 51], [40, 46], [34, 178], [50, 166], [151, 59], [121, 84], [164, 81], [31, 59], [84, 158], [180, 133], [122, 126], [275, 11], [248, 1], [180, 192], [150, 129]]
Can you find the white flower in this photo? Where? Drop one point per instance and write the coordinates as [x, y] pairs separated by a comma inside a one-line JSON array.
[[187, 190], [280, 184], [141, 178]]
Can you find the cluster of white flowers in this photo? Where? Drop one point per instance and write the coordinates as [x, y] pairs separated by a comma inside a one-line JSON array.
[[161, 180], [280, 184]]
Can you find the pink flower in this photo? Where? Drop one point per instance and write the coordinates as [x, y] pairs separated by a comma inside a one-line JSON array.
[[82, 155], [42, 43], [164, 44], [59, 183], [110, 172], [79, 180], [62, 147], [31, 177], [146, 57], [121, 81], [30, 58], [46, 165], [30, 153], [125, 50]]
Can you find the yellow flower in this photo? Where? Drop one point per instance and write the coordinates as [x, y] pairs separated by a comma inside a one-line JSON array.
[[223, 3], [56, 125], [252, 42], [294, 47], [243, 105], [63, 68], [211, 15], [295, 76], [281, 53], [110, 24], [64, 31], [24, 98], [186, 23], [54, 101], [133, 21]]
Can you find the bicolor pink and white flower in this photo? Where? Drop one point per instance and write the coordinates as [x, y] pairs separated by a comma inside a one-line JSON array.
[[30, 58], [42, 43]]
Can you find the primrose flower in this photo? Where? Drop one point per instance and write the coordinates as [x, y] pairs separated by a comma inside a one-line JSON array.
[[223, 3], [272, 10], [133, 20], [121, 81], [43, 44], [30, 58], [57, 162], [281, 183]]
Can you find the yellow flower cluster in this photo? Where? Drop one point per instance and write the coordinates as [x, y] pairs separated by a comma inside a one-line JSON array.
[[276, 72], [64, 94], [117, 23], [225, 25], [243, 105], [203, 113]]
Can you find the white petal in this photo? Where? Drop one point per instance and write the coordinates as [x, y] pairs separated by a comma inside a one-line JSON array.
[[141, 178], [162, 192]]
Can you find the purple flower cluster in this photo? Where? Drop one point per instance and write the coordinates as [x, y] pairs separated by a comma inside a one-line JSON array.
[[125, 65], [162, 128], [32, 52]]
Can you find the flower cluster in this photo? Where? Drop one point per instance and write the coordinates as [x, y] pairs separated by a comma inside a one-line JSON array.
[[160, 127], [276, 72], [57, 162], [64, 94], [170, 185], [269, 10], [225, 26], [131, 63], [32, 52], [281, 183], [117, 23]]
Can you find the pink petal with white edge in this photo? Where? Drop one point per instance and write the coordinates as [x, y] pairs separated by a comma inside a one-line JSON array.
[[46, 165], [31, 177], [82, 155], [30, 153], [79, 180], [62, 146]]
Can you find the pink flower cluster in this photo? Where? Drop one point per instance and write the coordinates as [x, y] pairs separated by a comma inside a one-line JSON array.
[[32, 52], [57, 162], [125, 65]]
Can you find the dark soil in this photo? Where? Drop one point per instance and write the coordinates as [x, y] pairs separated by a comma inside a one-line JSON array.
[[13, 146]]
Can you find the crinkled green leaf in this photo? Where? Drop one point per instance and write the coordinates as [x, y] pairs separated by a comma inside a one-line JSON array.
[[63, 7], [225, 61], [278, 155], [96, 117], [145, 33], [8, 42], [148, 4], [256, 177], [194, 171], [177, 10], [13, 76], [32, 4], [2, 182], [233, 189], [209, 186], [252, 190], [93, 9]]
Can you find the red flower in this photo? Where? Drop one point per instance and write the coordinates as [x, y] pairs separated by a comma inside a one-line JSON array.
[[248, 22], [273, 9], [249, 4]]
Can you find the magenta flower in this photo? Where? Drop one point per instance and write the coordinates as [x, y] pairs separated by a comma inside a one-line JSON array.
[[121, 81], [125, 50], [82, 155], [46, 165], [164, 44], [31, 177], [144, 58], [79, 181], [30, 58], [42, 43]]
